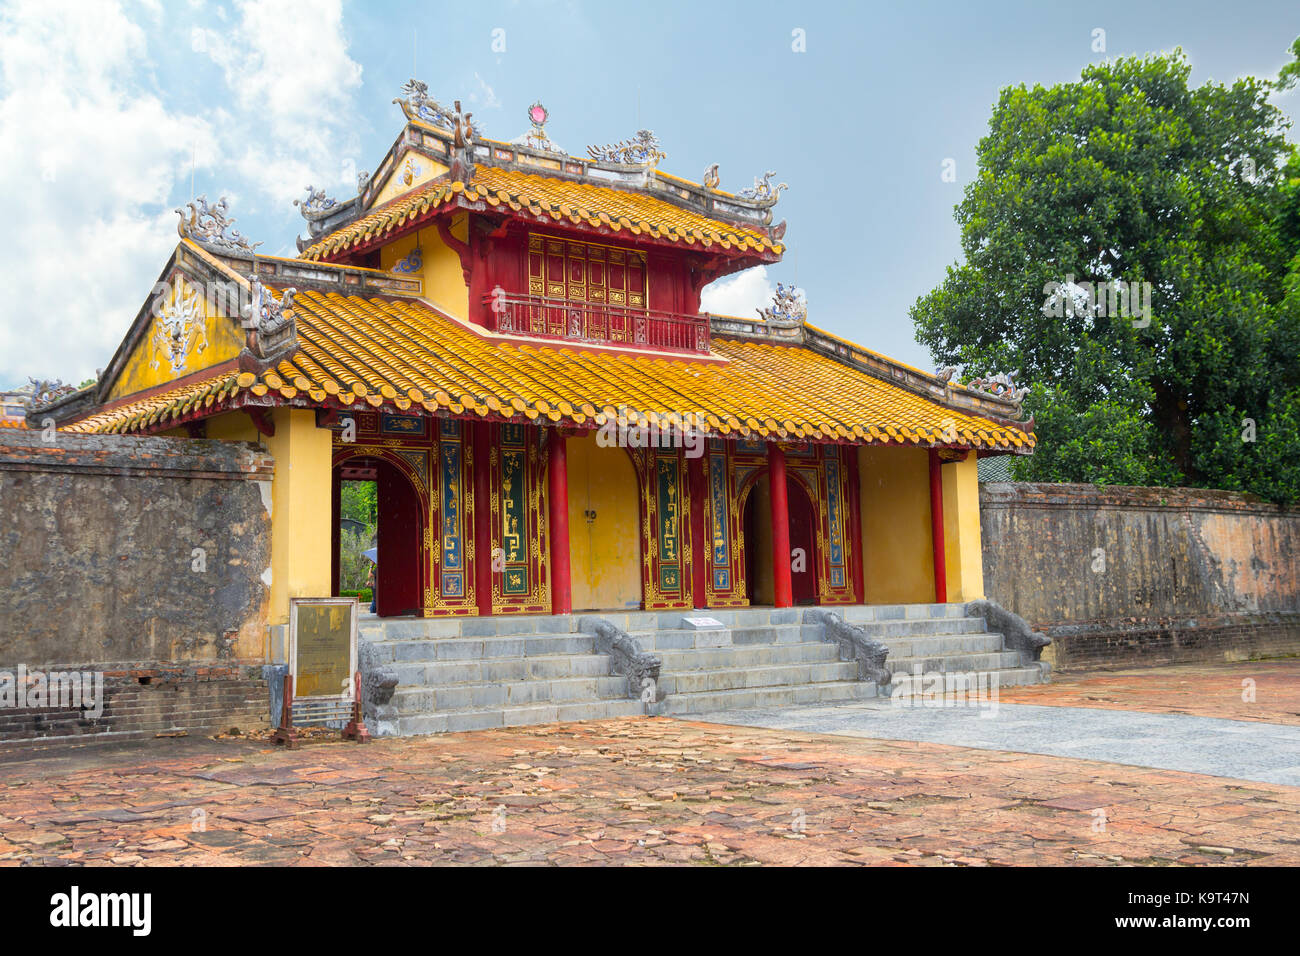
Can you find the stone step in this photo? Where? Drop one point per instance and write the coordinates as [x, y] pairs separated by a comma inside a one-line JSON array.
[[941, 645], [541, 667], [786, 696], [954, 662], [741, 617], [505, 625], [484, 718], [763, 655], [716, 679], [449, 697], [857, 613], [883, 630], [481, 648], [680, 638], [1006, 676]]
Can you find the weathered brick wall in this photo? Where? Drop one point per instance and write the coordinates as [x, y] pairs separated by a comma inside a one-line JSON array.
[[99, 572], [1188, 575]]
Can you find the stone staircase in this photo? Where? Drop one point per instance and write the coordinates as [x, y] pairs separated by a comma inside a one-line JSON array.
[[928, 638], [758, 657], [475, 673]]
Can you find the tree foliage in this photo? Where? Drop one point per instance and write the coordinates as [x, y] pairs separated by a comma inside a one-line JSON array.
[[1131, 174]]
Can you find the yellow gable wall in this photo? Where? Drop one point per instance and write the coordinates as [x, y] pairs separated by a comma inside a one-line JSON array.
[[898, 564], [412, 170], [207, 338], [444, 282], [604, 553]]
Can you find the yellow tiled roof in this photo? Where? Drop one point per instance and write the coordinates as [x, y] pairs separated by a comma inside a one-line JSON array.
[[362, 352], [13, 423], [557, 200], [161, 408]]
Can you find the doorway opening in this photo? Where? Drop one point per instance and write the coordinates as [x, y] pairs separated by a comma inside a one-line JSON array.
[[757, 517], [378, 530]]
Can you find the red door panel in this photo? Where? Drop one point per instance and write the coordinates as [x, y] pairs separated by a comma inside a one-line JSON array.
[[803, 583], [400, 531]]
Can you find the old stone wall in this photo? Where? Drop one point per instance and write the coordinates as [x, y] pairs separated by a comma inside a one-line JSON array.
[[146, 559], [1121, 576]]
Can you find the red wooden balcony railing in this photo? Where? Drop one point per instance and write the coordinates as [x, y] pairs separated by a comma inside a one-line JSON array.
[[597, 322]]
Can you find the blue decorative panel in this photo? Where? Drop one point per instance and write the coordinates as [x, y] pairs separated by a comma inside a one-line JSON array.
[[401, 425]]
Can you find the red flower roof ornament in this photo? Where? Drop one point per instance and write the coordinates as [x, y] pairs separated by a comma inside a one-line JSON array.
[[536, 137]]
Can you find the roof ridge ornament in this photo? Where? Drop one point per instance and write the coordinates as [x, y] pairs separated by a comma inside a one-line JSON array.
[[536, 137], [48, 391], [641, 150], [209, 225], [270, 325], [789, 307], [417, 102], [1001, 386], [763, 189], [711, 178], [316, 204], [462, 145]]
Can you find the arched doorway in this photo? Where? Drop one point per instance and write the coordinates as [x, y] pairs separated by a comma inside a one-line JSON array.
[[759, 578], [604, 526], [399, 534]]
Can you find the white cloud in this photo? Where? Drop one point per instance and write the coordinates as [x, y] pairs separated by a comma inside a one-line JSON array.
[[94, 159], [485, 97], [89, 161], [740, 294], [286, 63]]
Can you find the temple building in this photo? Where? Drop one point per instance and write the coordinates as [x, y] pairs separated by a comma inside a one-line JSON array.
[[508, 340]]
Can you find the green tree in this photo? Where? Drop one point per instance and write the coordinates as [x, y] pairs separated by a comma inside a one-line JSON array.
[[358, 501], [1130, 174]]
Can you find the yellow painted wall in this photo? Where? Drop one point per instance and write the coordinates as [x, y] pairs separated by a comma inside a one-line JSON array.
[[961, 530], [220, 341], [764, 585], [301, 510], [232, 426], [604, 554], [894, 485], [413, 169], [444, 281]]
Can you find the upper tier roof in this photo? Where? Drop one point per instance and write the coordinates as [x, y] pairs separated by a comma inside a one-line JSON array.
[[618, 188], [548, 200]]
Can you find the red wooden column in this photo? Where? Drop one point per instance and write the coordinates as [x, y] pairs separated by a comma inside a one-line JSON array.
[[701, 545], [557, 473], [483, 516], [782, 587], [936, 529], [855, 524]]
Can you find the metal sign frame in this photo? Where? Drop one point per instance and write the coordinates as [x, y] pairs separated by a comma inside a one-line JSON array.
[[332, 706]]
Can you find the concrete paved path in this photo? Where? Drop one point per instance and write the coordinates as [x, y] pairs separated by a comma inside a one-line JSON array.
[[1223, 748]]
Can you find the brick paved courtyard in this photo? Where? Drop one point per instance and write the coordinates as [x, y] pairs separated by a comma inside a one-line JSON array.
[[661, 791]]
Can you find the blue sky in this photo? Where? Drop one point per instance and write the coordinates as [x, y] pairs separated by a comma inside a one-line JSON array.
[[108, 108]]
